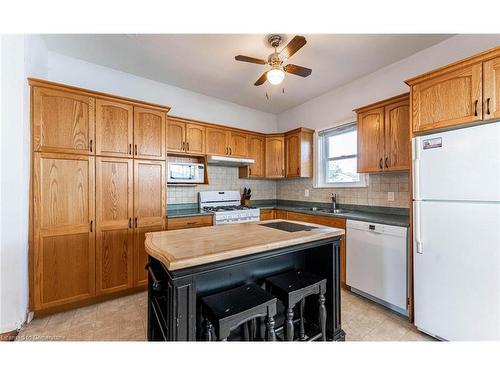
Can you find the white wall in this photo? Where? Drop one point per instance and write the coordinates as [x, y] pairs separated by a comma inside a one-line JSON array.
[[336, 106], [184, 103], [21, 56]]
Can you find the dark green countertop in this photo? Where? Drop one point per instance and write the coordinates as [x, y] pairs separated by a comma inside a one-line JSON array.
[[382, 215]]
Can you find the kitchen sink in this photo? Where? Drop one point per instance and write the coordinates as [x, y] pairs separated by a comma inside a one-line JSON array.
[[333, 211]]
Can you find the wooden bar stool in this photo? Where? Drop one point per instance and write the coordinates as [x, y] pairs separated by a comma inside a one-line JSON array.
[[293, 287], [227, 310]]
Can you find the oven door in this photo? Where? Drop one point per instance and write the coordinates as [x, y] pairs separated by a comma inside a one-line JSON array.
[[185, 173]]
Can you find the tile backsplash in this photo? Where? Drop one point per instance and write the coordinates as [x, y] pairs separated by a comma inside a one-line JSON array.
[[375, 194], [222, 178], [226, 178]]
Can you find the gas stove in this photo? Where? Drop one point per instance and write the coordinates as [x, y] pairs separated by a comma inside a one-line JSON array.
[[226, 207]]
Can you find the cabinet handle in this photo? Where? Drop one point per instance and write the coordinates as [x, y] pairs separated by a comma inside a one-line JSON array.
[[156, 283], [130, 148], [380, 163], [135, 147], [91, 225], [298, 170], [135, 220], [386, 160], [227, 150], [488, 106], [130, 222], [90, 145], [249, 170], [283, 172], [187, 146], [475, 107], [183, 146], [191, 222]]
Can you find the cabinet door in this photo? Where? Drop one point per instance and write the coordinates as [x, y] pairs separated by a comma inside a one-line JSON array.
[[217, 141], [62, 121], [64, 234], [195, 139], [275, 157], [491, 81], [397, 136], [114, 233], [292, 157], [371, 140], [141, 257], [149, 207], [256, 151], [450, 99], [114, 128], [238, 144], [176, 135], [149, 133]]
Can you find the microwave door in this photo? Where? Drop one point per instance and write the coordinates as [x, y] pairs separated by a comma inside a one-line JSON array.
[[181, 172]]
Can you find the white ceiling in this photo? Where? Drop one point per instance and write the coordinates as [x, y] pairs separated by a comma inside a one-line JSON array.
[[205, 63]]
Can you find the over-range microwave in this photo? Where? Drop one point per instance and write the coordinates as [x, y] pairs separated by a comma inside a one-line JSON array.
[[186, 173]]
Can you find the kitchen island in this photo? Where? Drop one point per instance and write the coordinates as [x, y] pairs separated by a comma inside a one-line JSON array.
[[187, 264]]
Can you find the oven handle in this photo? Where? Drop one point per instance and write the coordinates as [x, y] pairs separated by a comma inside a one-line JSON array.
[[156, 282]]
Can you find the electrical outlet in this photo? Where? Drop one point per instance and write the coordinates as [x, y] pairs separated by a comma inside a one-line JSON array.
[[390, 196], [306, 192]]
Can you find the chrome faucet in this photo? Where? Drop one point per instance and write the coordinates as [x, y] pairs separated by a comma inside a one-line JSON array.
[[334, 201]]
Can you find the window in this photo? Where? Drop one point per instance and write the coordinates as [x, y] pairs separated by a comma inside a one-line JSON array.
[[337, 158]]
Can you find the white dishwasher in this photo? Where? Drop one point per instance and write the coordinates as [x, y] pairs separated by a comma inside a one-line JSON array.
[[376, 263]]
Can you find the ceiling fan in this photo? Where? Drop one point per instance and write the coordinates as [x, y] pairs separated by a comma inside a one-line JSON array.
[[277, 60]]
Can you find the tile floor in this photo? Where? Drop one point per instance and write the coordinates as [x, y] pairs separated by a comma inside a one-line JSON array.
[[124, 319]]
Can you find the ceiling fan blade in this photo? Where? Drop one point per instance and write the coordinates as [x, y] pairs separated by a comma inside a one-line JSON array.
[[250, 59], [293, 46], [297, 70], [261, 79]]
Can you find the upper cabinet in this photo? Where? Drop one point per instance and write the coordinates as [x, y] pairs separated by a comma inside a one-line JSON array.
[[217, 141], [149, 133], [298, 153], [63, 121], [238, 144], [185, 137], [275, 156], [462, 93], [257, 152], [384, 136], [114, 126], [491, 89]]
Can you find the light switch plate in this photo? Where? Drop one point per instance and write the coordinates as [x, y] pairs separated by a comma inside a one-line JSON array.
[[306, 192], [390, 196]]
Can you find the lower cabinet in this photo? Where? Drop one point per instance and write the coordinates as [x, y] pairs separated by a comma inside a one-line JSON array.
[[189, 222], [266, 214], [140, 255]]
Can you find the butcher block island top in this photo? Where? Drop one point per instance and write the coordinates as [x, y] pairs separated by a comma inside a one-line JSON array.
[[184, 248]]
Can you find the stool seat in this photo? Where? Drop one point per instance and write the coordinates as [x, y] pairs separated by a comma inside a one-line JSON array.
[[293, 287], [228, 309]]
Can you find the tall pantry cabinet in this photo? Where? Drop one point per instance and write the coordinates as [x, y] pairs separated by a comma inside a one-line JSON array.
[[97, 186]]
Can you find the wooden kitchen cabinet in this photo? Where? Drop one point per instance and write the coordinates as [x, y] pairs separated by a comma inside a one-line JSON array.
[[176, 135], [257, 152], [266, 214], [63, 121], [299, 157], [189, 222], [149, 133], [149, 208], [63, 229], [452, 98], [185, 137], [491, 89], [384, 136], [114, 126], [114, 232], [217, 141], [275, 156], [238, 144]]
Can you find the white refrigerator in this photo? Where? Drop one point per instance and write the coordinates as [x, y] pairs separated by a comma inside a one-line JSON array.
[[456, 208]]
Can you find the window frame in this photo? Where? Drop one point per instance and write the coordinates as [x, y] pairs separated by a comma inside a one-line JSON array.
[[321, 158]]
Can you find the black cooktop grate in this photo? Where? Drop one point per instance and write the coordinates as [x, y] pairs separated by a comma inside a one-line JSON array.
[[287, 227]]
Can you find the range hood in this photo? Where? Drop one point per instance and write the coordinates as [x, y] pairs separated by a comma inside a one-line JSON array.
[[228, 161]]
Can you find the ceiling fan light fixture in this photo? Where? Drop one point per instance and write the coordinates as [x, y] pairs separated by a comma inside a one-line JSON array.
[[275, 76]]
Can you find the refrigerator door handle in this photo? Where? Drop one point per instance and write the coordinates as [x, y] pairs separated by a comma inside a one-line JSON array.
[[419, 246], [416, 168]]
